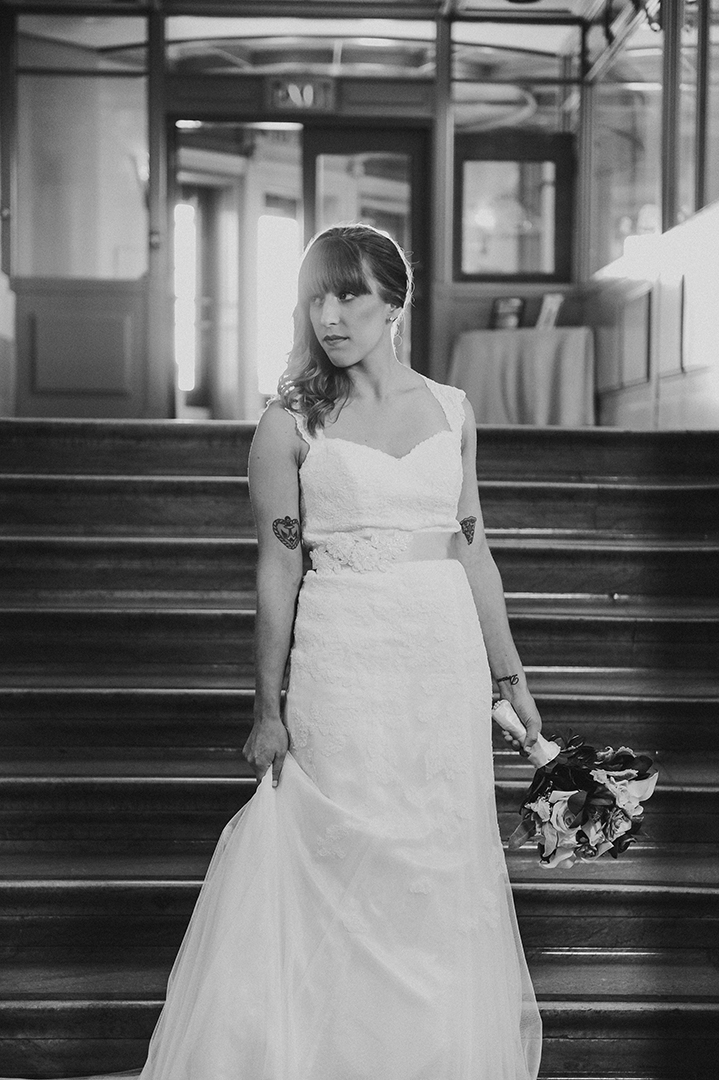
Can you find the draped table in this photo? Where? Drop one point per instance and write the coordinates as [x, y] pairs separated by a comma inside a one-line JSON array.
[[543, 377]]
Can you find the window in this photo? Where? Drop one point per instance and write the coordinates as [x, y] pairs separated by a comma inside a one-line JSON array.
[[626, 152], [513, 206]]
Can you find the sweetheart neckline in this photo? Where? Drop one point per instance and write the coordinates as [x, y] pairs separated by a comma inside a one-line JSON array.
[[385, 453]]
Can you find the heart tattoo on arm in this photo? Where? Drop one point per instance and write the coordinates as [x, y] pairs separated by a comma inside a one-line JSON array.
[[287, 531], [467, 525]]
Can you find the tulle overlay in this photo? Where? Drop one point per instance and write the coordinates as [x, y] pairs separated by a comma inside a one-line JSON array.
[[357, 921]]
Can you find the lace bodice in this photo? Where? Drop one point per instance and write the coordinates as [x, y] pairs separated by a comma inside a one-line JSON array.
[[347, 487]]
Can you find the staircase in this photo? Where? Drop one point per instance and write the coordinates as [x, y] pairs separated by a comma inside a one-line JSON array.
[[126, 617]]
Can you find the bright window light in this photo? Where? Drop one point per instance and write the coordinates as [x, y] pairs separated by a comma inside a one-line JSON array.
[[185, 295], [278, 258]]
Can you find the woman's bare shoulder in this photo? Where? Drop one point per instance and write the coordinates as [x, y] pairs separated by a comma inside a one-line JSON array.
[[277, 430]]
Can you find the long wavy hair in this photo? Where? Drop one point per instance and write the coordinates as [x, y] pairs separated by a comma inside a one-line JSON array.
[[337, 260]]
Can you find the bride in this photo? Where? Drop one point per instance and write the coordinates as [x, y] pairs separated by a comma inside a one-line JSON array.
[[356, 921]]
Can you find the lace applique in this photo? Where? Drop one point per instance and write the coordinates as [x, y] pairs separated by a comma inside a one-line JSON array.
[[329, 844], [376, 551], [299, 729]]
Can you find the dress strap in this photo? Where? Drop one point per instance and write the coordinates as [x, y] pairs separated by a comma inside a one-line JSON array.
[[301, 425], [450, 398]]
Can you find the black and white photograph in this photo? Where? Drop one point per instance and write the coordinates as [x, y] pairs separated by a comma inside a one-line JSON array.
[[359, 540]]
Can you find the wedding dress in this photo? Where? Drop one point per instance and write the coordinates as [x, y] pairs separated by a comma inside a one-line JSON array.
[[356, 922]]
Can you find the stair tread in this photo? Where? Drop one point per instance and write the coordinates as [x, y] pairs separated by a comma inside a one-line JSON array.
[[195, 480], [584, 683], [123, 601], [673, 866], [696, 769], [688, 976], [675, 769], [663, 867], [627, 685], [553, 607], [559, 682], [120, 679], [530, 538], [563, 607], [579, 974]]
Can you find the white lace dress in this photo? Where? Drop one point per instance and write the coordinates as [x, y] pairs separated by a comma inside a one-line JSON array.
[[356, 922]]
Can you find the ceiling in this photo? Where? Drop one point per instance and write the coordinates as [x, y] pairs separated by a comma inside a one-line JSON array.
[[99, 31]]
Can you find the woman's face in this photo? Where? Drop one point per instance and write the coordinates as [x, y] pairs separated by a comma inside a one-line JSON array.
[[351, 328]]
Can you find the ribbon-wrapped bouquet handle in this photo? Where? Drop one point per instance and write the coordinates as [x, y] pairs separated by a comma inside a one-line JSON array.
[[543, 750]]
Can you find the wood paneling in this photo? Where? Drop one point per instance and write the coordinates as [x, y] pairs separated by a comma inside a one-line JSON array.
[[80, 347]]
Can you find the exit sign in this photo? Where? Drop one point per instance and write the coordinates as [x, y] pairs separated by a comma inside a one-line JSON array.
[[300, 94]]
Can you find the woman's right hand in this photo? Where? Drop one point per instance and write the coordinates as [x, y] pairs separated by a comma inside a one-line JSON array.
[[267, 746]]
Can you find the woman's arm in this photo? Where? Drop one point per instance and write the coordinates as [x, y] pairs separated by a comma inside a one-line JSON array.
[[274, 491], [486, 585]]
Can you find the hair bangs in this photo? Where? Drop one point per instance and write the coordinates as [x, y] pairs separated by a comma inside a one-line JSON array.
[[331, 265]]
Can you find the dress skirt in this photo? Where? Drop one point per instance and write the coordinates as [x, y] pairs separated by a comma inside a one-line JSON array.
[[356, 922]]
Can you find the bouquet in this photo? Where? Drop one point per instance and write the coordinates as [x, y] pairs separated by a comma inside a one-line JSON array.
[[582, 802]]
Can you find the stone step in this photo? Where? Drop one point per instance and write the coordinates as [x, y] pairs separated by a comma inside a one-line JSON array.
[[135, 447], [65, 645], [103, 906], [127, 569], [68, 570], [690, 767], [219, 448], [578, 974], [81, 645], [219, 506], [135, 506], [154, 813], [107, 1027], [612, 508], [136, 723], [551, 565], [652, 1040]]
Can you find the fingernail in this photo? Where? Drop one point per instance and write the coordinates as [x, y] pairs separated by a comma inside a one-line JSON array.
[[275, 783]]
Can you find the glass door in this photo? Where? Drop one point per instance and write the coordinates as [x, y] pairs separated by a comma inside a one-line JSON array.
[[246, 197], [377, 176]]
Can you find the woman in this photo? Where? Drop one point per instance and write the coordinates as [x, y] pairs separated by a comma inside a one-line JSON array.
[[357, 922]]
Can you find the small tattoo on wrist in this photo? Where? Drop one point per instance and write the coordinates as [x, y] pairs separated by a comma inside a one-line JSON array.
[[511, 679], [287, 531], [467, 525]]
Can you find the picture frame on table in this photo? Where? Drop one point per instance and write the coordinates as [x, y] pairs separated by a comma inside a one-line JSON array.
[[549, 311], [506, 313]]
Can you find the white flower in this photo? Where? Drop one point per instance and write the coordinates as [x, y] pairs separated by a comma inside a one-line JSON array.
[[361, 553], [628, 794]]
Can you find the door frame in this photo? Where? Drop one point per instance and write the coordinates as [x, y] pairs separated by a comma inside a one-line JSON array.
[[378, 136]]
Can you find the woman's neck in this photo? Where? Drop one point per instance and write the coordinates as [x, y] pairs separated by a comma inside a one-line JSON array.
[[377, 378]]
